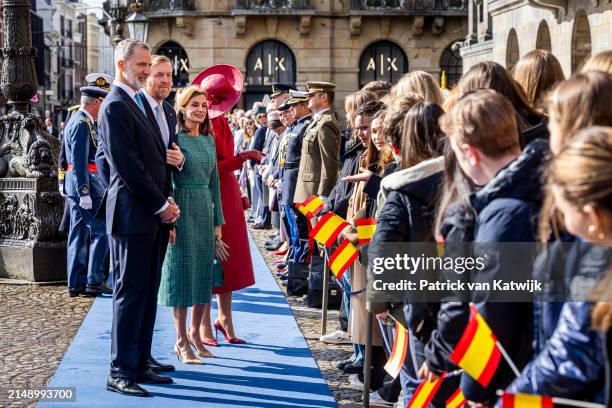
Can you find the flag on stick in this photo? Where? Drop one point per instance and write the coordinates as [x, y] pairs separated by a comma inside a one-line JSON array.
[[510, 400], [328, 228], [425, 393], [342, 258], [477, 351], [365, 230], [311, 207], [398, 353], [456, 400]]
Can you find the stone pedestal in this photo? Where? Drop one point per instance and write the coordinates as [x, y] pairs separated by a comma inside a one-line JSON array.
[[31, 247]]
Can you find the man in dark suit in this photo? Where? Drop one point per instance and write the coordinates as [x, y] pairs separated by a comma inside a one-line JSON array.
[[137, 205], [257, 143]]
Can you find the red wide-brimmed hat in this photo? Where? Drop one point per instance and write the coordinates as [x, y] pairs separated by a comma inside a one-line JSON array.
[[223, 84]]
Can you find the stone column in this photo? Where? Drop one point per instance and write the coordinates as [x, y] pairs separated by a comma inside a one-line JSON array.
[[30, 205]]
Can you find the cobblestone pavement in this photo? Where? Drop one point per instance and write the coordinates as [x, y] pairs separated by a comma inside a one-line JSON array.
[[309, 321], [37, 324]]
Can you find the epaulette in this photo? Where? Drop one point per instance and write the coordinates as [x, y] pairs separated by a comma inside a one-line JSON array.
[[73, 108]]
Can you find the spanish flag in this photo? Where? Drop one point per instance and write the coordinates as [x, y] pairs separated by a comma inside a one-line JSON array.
[[365, 230], [456, 400], [342, 258], [328, 228], [425, 393], [477, 352], [398, 353], [311, 207], [510, 400]]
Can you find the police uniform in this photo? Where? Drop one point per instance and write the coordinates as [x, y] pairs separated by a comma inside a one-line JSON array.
[[318, 165], [84, 188]]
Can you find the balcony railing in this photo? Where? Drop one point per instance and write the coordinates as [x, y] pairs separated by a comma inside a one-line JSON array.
[[172, 5], [408, 5], [272, 4], [67, 63]]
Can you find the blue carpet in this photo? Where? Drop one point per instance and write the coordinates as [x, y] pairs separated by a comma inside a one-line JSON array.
[[275, 369]]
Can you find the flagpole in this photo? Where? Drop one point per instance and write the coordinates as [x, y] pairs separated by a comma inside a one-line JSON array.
[[564, 401], [508, 359], [367, 371], [325, 300]]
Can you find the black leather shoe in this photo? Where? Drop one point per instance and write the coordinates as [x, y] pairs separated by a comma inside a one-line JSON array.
[[149, 377], [125, 387], [352, 368], [74, 292], [158, 367], [262, 226], [99, 289], [343, 363]]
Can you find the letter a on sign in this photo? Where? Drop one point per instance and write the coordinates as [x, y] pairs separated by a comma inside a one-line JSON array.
[[371, 65], [258, 65]]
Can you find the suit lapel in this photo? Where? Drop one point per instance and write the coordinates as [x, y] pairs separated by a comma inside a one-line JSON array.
[[152, 120], [171, 120]]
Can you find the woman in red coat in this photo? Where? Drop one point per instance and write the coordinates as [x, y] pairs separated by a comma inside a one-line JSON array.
[[223, 84]]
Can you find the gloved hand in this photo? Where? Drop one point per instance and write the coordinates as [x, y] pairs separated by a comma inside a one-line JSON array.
[[252, 155], [85, 202]]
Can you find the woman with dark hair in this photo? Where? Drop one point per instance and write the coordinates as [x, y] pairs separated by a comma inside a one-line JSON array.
[[408, 215], [187, 272], [491, 75]]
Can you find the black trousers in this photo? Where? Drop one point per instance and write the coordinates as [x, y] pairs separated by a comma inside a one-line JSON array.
[[136, 261]]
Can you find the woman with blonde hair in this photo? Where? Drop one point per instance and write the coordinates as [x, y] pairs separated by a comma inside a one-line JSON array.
[[420, 83], [187, 273], [599, 62], [537, 72]]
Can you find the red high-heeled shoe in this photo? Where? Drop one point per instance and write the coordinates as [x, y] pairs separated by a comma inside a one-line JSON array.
[[230, 340], [210, 342], [282, 250]]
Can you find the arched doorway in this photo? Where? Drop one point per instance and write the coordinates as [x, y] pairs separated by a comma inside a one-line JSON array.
[[382, 60], [581, 40], [512, 50], [543, 38], [451, 64], [180, 62], [268, 61]]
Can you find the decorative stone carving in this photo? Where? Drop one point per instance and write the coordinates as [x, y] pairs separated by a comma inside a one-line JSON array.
[[185, 23], [355, 25], [385, 26], [305, 23], [417, 26], [240, 22], [438, 25]]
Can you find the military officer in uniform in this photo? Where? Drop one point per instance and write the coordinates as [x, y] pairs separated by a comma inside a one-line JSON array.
[[318, 170], [302, 117], [85, 190]]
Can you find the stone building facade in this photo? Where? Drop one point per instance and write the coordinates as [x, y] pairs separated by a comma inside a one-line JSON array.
[[294, 41], [503, 30]]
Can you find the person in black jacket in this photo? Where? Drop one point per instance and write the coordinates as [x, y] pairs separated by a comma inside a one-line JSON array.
[[483, 133], [408, 216]]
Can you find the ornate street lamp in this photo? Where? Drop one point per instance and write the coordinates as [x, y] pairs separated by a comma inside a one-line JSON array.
[[138, 23], [118, 10]]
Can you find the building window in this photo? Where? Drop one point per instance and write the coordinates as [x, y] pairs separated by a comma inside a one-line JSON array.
[[581, 40], [382, 60], [451, 64], [543, 39], [512, 50], [180, 62], [270, 61]]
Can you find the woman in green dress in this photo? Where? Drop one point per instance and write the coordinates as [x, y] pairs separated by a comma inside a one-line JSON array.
[[187, 273]]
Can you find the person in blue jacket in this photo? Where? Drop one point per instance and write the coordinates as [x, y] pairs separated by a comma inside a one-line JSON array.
[[85, 191]]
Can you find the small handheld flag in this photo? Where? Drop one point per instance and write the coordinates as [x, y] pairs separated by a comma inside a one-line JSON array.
[[509, 400], [342, 258], [425, 393], [365, 230], [311, 207], [477, 351], [456, 400], [398, 353], [328, 228]]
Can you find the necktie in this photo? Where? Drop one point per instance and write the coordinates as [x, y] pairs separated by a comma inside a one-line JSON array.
[[140, 104], [163, 128]]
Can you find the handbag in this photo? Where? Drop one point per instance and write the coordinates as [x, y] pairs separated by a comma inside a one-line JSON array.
[[218, 275]]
